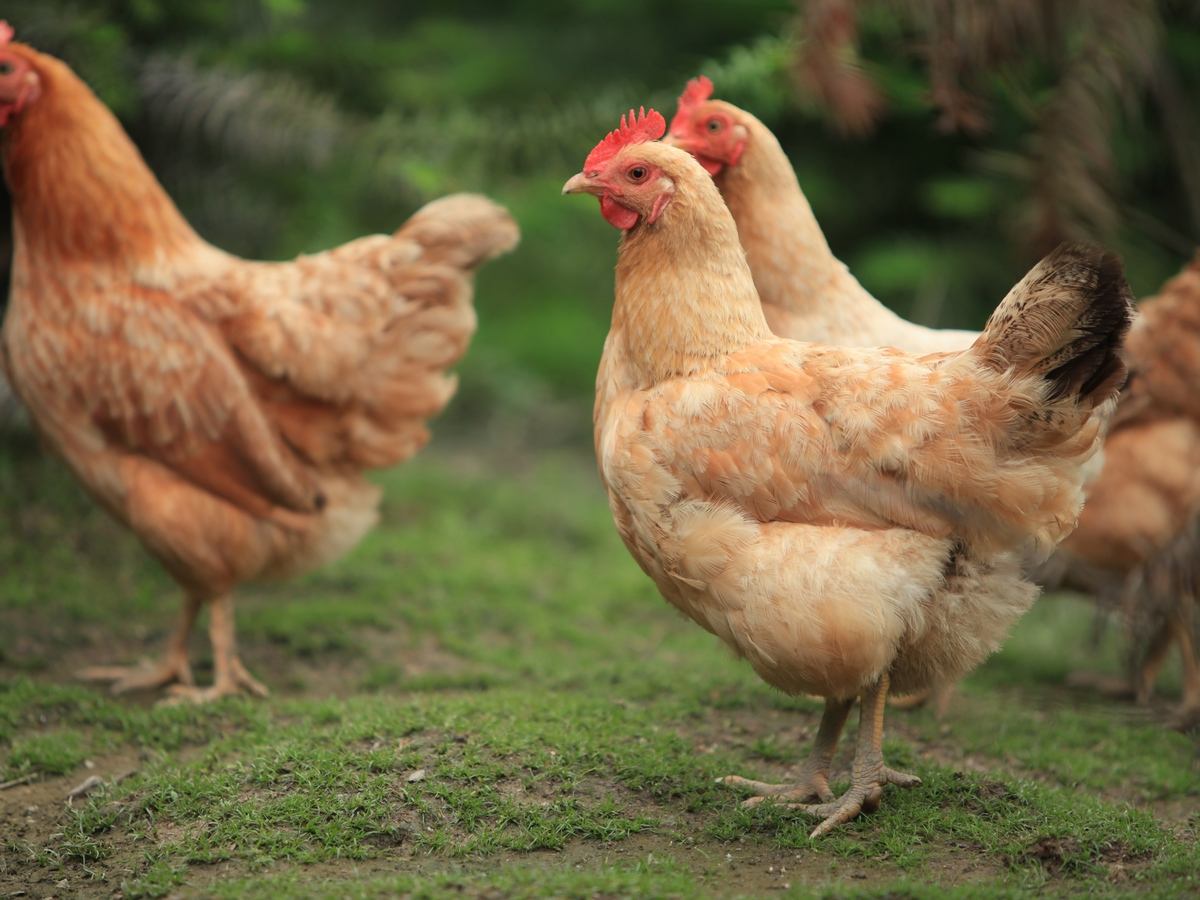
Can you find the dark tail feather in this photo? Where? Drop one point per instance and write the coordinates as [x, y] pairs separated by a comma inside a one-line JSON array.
[[1066, 320]]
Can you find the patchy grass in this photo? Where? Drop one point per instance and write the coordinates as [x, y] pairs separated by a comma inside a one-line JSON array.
[[489, 698]]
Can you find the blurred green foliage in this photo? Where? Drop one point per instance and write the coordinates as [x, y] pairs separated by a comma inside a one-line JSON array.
[[283, 126]]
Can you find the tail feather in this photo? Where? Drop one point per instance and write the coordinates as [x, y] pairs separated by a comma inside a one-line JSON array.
[[407, 303], [462, 230], [1066, 321]]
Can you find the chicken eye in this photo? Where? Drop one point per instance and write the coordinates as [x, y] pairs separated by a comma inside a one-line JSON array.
[[715, 125], [637, 173], [6, 68]]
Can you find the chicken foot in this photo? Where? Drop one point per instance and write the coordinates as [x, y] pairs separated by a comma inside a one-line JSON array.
[[230, 676], [1138, 685], [1188, 714], [813, 782], [868, 777], [171, 669]]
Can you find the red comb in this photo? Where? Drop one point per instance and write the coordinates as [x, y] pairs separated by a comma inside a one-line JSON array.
[[6, 32], [635, 128], [697, 91]]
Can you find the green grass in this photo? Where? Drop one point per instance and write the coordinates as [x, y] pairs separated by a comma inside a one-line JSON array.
[[489, 698]]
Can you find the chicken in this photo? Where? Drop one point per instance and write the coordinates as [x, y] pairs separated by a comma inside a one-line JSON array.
[[849, 521], [224, 410], [1137, 541], [1135, 533], [807, 293]]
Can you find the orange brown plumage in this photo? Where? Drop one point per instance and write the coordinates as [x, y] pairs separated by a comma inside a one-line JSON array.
[[223, 409]]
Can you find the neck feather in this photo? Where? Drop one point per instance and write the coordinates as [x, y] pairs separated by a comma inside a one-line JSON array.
[[790, 258], [80, 188], [684, 293]]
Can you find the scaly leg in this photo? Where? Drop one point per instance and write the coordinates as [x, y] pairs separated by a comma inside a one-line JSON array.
[[172, 668], [813, 782], [1188, 715], [1137, 686], [1156, 656], [229, 675], [869, 774]]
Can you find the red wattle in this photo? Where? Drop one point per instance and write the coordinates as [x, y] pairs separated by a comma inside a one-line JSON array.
[[617, 215], [712, 166]]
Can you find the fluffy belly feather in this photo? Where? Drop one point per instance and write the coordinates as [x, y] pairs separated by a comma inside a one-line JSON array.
[[826, 610]]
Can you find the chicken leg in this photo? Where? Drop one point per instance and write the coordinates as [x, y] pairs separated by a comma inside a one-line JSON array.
[[1188, 714], [230, 677], [172, 668], [869, 775], [813, 783]]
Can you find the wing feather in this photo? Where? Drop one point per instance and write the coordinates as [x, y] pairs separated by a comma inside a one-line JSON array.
[[832, 437]]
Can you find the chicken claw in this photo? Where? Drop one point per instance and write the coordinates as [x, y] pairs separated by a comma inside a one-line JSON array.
[[859, 799], [869, 775], [810, 786], [940, 694], [171, 669], [864, 796], [238, 681], [867, 780], [813, 783]]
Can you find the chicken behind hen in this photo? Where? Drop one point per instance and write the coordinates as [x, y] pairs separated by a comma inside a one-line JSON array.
[[1137, 534]]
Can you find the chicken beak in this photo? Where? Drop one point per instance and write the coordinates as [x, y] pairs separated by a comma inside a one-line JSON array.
[[580, 184]]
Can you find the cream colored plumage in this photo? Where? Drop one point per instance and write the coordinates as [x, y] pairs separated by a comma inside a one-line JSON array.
[[1137, 533], [807, 293], [841, 518]]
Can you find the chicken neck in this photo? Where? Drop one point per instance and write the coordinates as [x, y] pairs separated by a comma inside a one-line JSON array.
[[794, 268], [684, 293], [81, 190]]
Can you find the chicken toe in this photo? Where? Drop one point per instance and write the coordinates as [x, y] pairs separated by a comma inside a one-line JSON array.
[[239, 681], [939, 695], [862, 797], [1115, 687], [170, 670], [809, 786]]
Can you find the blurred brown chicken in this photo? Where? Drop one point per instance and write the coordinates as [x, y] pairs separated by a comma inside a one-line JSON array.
[[223, 409], [1137, 542], [1137, 536]]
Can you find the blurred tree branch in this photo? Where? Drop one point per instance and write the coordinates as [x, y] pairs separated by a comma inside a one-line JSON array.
[[1071, 68]]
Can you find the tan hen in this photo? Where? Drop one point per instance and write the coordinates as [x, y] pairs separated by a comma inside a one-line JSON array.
[[846, 520]]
